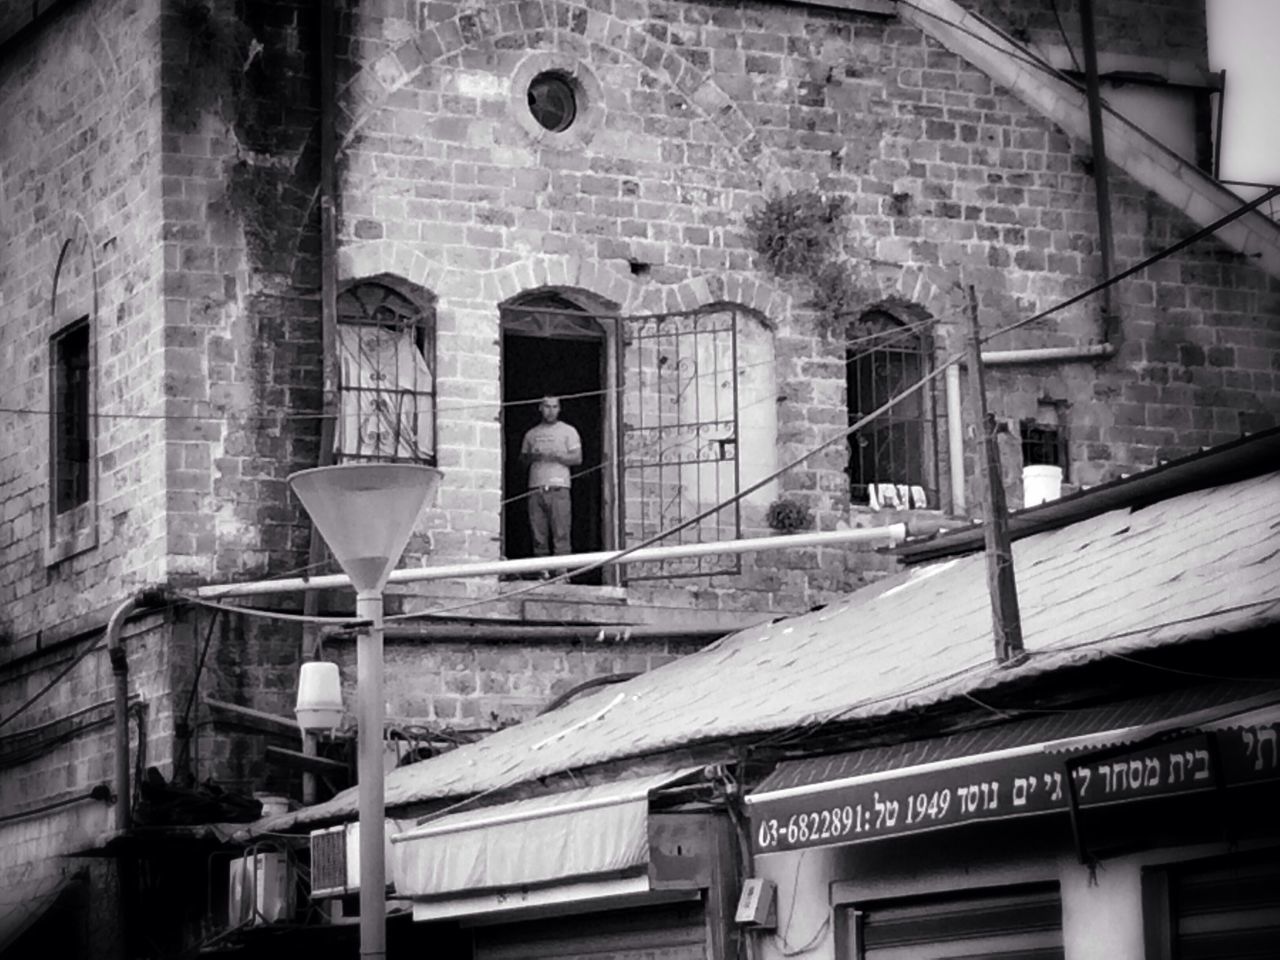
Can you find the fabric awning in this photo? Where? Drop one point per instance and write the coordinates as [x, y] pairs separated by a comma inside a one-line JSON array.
[[1132, 750], [593, 832]]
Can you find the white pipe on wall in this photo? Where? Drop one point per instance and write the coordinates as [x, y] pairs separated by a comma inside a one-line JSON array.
[[891, 534], [955, 439], [1092, 351]]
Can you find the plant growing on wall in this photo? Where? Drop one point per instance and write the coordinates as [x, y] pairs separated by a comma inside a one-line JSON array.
[[799, 236], [798, 233], [788, 516]]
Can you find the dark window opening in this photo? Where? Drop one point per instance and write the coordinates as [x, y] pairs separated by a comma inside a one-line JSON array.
[[891, 458], [550, 346], [71, 426], [386, 371], [553, 101], [1044, 444]]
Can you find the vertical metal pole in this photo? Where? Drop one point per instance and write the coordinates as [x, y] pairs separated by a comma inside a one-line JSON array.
[[328, 332], [1005, 620], [955, 439], [1101, 176], [369, 695]]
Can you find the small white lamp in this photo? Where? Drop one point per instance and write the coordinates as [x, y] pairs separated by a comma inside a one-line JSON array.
[[319, 705]]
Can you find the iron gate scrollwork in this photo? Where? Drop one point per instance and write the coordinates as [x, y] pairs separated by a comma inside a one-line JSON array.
[[678, 436]]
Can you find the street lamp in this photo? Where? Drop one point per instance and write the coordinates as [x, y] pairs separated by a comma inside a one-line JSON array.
[[366, 512]]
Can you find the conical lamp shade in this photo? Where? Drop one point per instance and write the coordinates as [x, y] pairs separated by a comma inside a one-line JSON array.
[[366, 513]]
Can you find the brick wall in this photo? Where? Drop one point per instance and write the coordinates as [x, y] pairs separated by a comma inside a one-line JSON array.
[[79, 208], [79, 149], [694, 114]]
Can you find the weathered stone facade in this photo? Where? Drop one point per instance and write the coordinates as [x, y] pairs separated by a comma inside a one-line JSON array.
[[161, 160]]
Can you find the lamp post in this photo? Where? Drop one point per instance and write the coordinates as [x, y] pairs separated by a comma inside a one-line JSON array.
[[365, 513]]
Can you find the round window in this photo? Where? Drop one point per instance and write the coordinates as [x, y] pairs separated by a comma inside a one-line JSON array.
[[553, 101]]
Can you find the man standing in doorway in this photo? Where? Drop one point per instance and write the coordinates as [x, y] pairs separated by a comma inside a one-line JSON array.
[[550, 449]]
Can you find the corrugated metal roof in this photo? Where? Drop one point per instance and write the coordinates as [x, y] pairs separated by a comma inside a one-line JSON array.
[[1124, 722], [1198, 565]]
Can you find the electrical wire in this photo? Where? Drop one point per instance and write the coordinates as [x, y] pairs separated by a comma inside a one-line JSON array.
[[1141, 265], [281, 416], [1062, 30], [89, 647]]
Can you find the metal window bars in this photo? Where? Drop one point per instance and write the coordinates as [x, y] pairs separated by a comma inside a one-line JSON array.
[[898, 450], [386, 360], [678, 435]]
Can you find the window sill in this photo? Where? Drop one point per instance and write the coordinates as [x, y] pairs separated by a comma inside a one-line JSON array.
[[72, 533]]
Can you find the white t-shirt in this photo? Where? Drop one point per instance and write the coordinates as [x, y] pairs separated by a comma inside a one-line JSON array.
[[550, 438]]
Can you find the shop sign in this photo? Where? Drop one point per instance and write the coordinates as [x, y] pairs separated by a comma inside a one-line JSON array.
[[973, 790]]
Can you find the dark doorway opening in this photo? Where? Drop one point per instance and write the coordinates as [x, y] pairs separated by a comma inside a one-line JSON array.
[[571, 366]]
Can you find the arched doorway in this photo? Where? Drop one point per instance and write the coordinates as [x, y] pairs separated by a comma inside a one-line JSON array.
[[552, 345]]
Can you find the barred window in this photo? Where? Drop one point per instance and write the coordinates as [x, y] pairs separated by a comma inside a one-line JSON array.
[[892, 458], [386, 353]]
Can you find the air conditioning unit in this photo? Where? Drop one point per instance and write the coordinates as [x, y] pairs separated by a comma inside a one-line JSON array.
[[259, 889], [335, 859], [329, 859]]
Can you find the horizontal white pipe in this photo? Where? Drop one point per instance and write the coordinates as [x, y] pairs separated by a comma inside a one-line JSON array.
[[893, 533], [1092, 351]]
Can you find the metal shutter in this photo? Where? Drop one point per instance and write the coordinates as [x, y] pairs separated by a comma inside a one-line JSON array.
[[1228, 912], [667, 932], [1022, 923]]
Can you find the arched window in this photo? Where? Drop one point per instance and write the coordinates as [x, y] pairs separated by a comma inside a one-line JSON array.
[[892, 460], [386, 378]]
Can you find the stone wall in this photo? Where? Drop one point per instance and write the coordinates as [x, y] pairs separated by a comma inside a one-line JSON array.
[[206, 252], [80, 203], [80, 238]]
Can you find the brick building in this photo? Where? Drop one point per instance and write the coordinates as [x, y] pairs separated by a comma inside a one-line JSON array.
[[566, 197]]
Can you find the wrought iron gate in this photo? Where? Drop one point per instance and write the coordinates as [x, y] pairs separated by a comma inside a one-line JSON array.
[[678, 436]]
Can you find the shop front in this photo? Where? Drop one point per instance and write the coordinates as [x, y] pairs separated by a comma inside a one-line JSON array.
[[1136, 831]]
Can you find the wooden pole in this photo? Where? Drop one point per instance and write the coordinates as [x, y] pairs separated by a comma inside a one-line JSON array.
[[1005, 620]]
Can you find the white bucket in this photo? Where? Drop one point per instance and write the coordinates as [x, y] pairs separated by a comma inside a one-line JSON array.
[[1040, 484], [319, 705], [273, 804]]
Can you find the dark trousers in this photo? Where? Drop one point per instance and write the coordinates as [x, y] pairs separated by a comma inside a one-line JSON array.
[[550, 519]]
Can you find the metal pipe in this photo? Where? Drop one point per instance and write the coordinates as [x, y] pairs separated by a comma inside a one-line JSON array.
[[892, 533], [370, 788], [1101, 176], [955, 439], [1091, 351], [524, 633], [120, 674]]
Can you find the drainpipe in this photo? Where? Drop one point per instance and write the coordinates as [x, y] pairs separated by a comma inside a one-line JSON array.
[[120, 673], [955, 440]]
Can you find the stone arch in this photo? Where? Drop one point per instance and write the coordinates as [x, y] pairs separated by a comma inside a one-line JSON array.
[[564, 27], [75, 276], [604, 280]]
